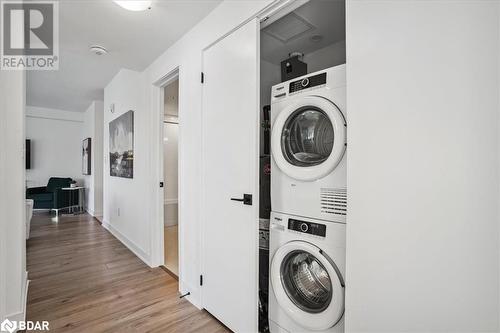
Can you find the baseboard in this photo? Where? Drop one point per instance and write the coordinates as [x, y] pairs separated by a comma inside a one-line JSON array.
[[25, 298], [93, 213], [169, 272], [128, 243], [170, 201], [21, 315]]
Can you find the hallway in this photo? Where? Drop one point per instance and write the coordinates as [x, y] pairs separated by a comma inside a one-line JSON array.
[[84, 280]]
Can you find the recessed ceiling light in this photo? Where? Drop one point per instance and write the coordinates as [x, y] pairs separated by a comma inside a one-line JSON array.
[[98, 50], [134, 5]]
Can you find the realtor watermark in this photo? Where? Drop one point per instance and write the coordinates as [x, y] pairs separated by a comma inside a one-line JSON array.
[[14, 326], [29, 35]]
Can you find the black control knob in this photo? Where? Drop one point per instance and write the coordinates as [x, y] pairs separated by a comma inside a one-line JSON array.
[[305, 82], [304, 227]]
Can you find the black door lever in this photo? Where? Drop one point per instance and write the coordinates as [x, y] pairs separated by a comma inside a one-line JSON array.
[[247, 199]]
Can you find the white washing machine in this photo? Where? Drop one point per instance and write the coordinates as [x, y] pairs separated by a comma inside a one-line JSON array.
[[308, 145], [307, 265]]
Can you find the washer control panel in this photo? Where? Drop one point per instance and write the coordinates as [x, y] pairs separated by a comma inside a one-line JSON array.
[[307, 82], [307, 227]]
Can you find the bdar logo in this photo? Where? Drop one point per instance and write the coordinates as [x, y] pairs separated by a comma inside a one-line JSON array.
[[8, 326]]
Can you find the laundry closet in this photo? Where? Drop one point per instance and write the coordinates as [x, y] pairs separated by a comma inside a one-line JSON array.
[[302, 168], [274, 201]]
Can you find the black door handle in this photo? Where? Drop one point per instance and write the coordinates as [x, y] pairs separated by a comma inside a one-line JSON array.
[[247, 199]]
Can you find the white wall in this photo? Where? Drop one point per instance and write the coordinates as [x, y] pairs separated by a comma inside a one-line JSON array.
[[127, 202], [170, 151], [329, 56], [171, 106], [56, 143], [98, 155], [93, 127], [422, 232], [13, 278], [88, 180], [171, 172]]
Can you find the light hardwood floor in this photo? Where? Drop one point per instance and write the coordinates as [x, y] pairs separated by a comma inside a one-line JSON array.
[[84, 280]]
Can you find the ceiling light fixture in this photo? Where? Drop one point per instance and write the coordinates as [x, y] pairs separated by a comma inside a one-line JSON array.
[[134, 5], [98, 50]]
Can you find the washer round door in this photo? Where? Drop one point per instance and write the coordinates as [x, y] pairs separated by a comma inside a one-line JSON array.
[[307, 285], [308, 138]]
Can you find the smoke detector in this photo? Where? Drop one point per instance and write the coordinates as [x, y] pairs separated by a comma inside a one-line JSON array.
[[98, 50]]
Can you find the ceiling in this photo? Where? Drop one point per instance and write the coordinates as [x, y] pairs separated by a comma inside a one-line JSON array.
[[133, 40], [293, 32]]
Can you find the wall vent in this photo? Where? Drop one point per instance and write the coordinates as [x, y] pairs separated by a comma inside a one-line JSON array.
[[334, 201]]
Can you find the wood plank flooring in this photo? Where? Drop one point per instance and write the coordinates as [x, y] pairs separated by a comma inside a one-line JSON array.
[[85, 280]]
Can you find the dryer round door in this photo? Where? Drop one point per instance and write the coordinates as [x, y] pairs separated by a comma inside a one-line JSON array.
[[307, 285], [308, 138]]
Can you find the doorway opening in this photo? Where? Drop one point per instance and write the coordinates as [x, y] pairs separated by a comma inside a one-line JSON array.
[[170, 177]]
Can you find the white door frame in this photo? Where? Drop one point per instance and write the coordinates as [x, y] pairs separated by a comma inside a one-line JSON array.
[[157, 231]]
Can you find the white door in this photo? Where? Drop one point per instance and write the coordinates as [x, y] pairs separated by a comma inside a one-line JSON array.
[[230, 171]]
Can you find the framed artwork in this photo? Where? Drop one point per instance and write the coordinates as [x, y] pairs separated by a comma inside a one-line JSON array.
[[121, 146], [86, 156]]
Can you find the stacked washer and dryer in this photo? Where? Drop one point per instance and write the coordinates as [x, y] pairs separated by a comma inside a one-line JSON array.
[[309, 203]]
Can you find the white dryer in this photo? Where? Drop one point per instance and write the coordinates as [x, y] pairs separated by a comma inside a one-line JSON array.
[[308, 145], [307, 265]]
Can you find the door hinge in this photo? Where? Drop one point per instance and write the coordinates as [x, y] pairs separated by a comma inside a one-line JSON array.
[[161, 184], [201, 280], [202, 77]]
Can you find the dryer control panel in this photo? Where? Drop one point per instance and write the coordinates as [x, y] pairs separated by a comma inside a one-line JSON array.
[[307, 82], [307, 227]]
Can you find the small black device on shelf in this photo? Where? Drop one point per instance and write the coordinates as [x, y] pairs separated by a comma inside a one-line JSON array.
[[292, 67]]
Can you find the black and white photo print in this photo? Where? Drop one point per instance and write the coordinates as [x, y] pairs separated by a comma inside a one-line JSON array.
[[121, 146]]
